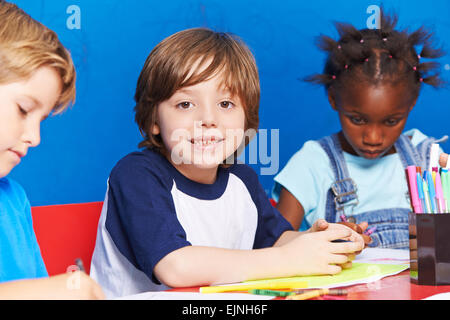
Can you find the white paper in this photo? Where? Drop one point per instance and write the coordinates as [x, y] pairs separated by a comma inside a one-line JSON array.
[[383, 256], [168, 295], [439, 296]]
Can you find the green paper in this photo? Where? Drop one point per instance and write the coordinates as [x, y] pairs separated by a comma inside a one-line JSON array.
[[358, 273]]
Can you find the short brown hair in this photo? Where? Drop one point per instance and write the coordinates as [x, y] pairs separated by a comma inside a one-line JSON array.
[[168, 68], [26, 45]]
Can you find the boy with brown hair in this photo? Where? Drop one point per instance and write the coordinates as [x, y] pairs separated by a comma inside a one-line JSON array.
[[173, 216]]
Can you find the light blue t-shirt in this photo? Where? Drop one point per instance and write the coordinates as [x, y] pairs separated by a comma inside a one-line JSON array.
[[20, 256], [381, 182]]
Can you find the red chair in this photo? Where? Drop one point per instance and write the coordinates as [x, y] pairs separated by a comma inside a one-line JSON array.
[[66, 232]]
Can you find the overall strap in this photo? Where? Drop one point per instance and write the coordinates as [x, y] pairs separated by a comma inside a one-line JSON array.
[[415, 156], [409, 155], [342, 192]]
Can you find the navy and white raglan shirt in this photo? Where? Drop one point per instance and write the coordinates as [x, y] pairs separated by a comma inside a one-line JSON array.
[[151, 209]]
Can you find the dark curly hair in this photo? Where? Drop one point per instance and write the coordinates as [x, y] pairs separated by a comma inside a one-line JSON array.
[[378, 56]]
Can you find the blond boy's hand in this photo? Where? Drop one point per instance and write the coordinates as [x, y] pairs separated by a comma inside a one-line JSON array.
[[68, 286], [315, 253], [77, 286]]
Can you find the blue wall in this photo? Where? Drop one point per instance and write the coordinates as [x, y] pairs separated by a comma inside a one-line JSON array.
[[80, 147]]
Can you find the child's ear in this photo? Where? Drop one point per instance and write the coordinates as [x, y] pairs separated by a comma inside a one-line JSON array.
[[155, 130], [331, 99]]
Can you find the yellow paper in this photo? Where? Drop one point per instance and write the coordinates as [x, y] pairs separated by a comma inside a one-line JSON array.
[[358, 273]]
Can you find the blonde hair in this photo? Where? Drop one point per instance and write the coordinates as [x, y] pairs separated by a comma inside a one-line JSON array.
[[168, 68], [26, 45]]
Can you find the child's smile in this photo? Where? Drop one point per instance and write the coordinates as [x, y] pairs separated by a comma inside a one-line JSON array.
[[201, 126], [204, 143]]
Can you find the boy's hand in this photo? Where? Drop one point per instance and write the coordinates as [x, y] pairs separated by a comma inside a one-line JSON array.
[[319, 225], [73, 286], [359, 228], [67, 286], [315, 253], [79, 285], [357, 235]]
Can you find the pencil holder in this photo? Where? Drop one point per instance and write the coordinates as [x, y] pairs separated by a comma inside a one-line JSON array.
[[429, 248]]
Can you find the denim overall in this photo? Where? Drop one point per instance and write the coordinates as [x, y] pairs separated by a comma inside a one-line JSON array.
[[392, 223]]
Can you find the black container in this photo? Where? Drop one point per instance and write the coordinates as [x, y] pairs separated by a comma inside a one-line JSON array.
[[429, 248]]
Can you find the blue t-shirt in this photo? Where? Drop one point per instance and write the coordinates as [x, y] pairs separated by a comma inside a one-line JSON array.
[[381, 182], [151, 209], [20, 256]]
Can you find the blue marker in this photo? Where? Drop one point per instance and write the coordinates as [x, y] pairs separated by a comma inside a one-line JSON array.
[[432, 191], [420, 191], [426, 195]]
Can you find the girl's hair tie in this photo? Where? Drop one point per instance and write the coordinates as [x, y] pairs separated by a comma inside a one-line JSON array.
[[415, 68], [421, 79]]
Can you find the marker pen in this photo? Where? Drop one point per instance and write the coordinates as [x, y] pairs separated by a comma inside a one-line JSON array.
[[369, 231], [439, 194], [420, 192], [433, 174], [412, 180], [432, 191], [426, 195], [434, 156], [445, 186], [79, 264]]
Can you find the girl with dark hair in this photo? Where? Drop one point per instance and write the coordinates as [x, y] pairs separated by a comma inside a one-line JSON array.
[[372, 79]]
